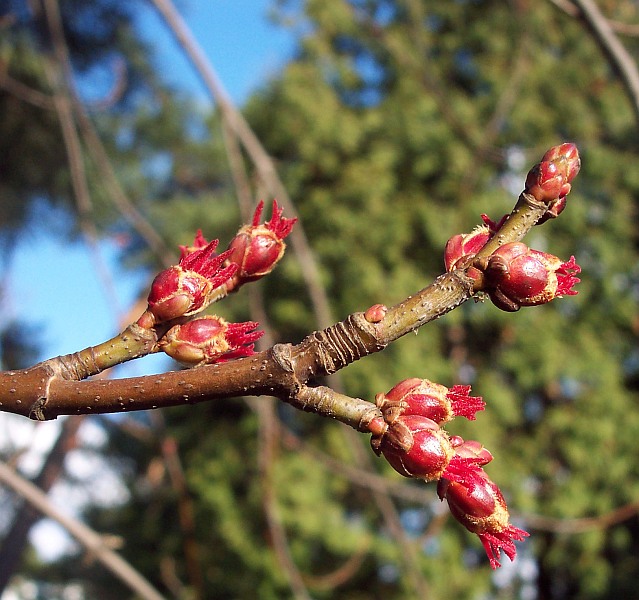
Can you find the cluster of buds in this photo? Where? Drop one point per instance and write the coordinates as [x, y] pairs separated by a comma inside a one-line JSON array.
[[515, 276], [201, 277], [410, 437]]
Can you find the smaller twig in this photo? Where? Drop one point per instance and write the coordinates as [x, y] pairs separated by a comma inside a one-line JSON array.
[[629, 29], [581, 525], [93, 542], [267, 440], [24, 92], [614, 50]]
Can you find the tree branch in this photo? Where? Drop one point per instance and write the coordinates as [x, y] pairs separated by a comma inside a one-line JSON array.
[[51, 388]]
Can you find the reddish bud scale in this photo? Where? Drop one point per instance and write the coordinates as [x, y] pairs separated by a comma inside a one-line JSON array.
[[209, 339], [427, 399], [566, 156], [481, 508], [415, 447], [465, 245], [545, 182]]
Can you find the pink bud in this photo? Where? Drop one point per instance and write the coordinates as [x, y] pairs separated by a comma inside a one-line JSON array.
[[465, 245], [482, 510], [416, 446], [550, 180], [257, 248], [189, 287], [209, 339], [518, 276], [545, 181], [471, 449], [566, 156], [376, 313], [427, 399]]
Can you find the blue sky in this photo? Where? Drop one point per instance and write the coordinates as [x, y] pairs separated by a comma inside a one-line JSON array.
[[54, 284]]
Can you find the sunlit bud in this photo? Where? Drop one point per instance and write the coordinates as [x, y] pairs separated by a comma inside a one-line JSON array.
[[471, 449], [376, 313], [416, 446], [481, 509], [190, 286], [566, 157], [257, 248], [517, 276], [209, 339], [427, 399], [464, 245], [550, 180], [545, 181]]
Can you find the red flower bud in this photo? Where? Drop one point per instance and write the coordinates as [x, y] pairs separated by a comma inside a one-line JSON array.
[[191, 285], [465, 245], [427, 399], [209, 339], [546, 182], [471, 449], [549, 181], [518, 276], [257, 248], [481, 508], [416, 446], [566, 157]]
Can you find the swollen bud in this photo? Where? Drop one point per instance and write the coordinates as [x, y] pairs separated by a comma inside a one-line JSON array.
[[481, 509], [208, 340], [550, 180], [427, 399], [516, 276], [190, 286], [465, 245], [257, 248], [416, 446]]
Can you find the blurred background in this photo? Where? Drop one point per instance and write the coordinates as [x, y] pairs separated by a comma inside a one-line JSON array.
[[391, 126]]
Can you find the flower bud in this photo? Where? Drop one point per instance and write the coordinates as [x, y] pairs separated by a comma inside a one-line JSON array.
[[257, 248], [209, 339], [190, 286], [471, 449], [550, 180], [566, 157], [518, 276], [465, 245], [427, 399], [482, 510], [546, 182], [416, 446]]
